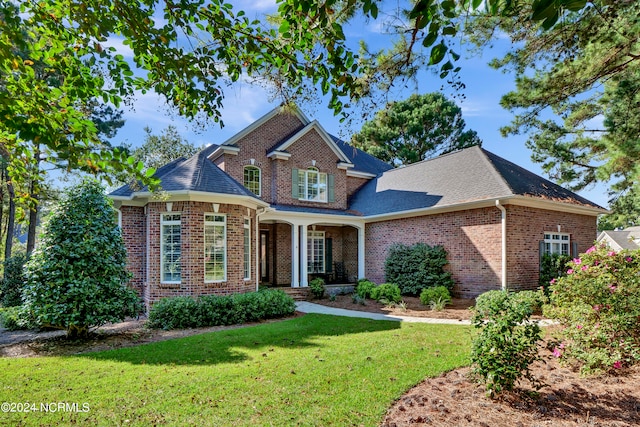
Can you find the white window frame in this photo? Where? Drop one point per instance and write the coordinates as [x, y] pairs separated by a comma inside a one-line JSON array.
[[305, 183], [247, 249], [313, 256], [170, 219], [247, 184], [217, 220], [557, 243]]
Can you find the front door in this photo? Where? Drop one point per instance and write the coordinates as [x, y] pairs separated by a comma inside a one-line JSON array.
[[264, 256]]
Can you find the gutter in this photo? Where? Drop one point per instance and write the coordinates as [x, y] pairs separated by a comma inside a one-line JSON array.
[[504, 244]]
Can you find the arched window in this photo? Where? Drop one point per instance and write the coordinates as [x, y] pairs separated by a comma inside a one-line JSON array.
[[252, 180]]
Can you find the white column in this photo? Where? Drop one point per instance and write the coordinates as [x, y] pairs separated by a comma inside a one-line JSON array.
[[361, 247], [295, 258], [304, 275]]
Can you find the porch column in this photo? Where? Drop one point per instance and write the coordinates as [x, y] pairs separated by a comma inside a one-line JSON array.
[[304, 276], [295, 256], [361, 270]]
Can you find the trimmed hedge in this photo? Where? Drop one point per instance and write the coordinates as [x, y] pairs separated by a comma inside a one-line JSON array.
[[416, 267], [213, 310]]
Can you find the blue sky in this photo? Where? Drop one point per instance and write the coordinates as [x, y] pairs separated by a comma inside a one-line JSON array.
[[245, 103]]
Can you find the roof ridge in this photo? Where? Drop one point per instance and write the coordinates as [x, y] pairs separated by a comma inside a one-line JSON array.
[[494, 170]]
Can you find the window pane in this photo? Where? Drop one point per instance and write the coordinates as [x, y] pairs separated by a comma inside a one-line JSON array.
[[214, 248], [252, 179], [170, 268], [247, 248]]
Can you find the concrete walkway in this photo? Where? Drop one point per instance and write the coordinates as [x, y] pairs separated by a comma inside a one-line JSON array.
[[309, 307]]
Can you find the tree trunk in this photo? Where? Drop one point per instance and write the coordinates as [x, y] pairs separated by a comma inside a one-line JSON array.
[[33, 221], [10, 222]]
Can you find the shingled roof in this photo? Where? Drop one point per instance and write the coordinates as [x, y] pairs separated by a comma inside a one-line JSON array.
[[196, 173], [468, 175]]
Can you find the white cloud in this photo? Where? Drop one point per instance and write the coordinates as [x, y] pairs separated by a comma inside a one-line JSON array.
[[117, 43]]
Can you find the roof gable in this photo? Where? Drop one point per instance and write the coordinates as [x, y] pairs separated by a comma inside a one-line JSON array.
[[313, 126]]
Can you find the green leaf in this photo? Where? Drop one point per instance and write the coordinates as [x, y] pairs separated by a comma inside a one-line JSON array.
[[437, 53]]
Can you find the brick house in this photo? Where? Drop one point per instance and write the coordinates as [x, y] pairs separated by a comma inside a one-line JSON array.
[[283, 201]]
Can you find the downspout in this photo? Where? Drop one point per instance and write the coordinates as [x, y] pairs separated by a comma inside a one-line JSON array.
[[504, 244]]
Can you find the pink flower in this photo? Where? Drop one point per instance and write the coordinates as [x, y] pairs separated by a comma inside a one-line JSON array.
[[596, 262], [612, 288], [591, 249], [617, 364], [561, 345], [579, 326], [596, 307], [628, 259], [557, 352], [577, 261], [585, 268], [611, 253], [570, 271], [552, 281]]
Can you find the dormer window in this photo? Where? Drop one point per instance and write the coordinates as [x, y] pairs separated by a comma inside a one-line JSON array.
[[252, 179]]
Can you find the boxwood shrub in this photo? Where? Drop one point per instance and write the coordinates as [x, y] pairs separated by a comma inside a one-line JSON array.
[[212, 310], [386, 292]]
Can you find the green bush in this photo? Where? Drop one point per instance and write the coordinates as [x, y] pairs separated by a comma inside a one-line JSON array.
[[598, 306], [507, 341], [552, 266], [416, 267], [439, 295], [13, 282], [317, 287], [213, 310], [364, 288], [386, 292], [77, 276], [14, 319]]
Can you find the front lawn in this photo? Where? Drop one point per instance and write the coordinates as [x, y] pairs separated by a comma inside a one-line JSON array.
[[313, 370]]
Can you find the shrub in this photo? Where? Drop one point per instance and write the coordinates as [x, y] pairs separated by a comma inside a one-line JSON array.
[[437, 297], [77, 276], [317, 287], [552, 266], [507, 342], [386, 292], [13, 282], [14, 319], [364, 288], [213, 310], [416, 267], [598, 306], [357, 299]]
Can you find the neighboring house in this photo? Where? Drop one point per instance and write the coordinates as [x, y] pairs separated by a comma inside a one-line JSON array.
[[629, 238], [283, 201]]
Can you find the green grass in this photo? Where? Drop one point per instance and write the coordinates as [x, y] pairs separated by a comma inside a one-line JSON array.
[[314, 370]]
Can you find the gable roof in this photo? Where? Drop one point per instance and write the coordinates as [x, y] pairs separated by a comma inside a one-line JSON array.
[[465, 176], [314, 125], [195, 174], [629, 238], [362, 162]]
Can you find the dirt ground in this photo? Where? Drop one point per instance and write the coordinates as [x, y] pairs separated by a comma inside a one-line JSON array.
[[449, 400]]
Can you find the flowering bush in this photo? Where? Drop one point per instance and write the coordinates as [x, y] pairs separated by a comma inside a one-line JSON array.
[[598, 305]]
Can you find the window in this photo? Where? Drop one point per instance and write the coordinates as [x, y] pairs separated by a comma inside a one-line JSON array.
[[215, 248], [315, 252], [312, 185], [247, 249], [556, 243], [252, 179], [170, 247]]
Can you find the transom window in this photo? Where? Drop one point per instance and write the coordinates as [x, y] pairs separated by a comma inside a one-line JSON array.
[[170, 248], [556, 243], [215, 248], [252, 179], [312, 185], [315, 252]]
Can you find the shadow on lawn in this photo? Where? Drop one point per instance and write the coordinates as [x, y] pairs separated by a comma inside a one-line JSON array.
[[226, 346]]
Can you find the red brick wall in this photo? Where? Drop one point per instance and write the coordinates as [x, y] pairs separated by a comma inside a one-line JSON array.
[[255, 145], [283, 254], [192, 252], [354, 184], [472, 239], [135, 241], [526, 228]]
